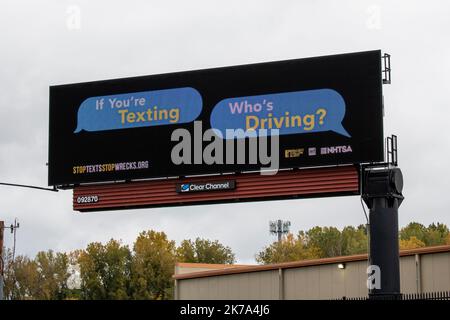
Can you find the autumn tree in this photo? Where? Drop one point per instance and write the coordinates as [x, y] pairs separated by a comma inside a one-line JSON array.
[[153, 265], [42, 278], [317, 242], [327, 239], [204, 251], [354, 240], [324, 242], [105, 271], [434, 234], [20, 277], [288, 249], [53, 274], [411, 243], [413, 229], [332, 242]]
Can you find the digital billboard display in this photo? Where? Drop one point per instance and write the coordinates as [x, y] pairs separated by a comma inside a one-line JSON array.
[[297, 113]]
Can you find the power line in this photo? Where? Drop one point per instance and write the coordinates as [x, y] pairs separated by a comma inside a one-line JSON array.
[[54, 189]]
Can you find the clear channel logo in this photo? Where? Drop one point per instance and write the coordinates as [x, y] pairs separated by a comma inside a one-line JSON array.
[[184, 187], [206, 186]]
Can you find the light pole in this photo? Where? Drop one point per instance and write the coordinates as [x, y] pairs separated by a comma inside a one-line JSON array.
[[279, 228]]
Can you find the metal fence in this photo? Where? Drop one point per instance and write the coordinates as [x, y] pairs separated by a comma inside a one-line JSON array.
[[442, 295]]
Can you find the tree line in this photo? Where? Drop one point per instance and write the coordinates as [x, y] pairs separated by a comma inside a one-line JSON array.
[[325, 242], [108, 271], [144, 270]]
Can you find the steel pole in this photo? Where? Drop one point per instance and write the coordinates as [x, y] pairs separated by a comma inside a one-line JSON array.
[[384, 247], [382, 192]]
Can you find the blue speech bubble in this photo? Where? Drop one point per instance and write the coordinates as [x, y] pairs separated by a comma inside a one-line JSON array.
[[139, 109], [290, 112]]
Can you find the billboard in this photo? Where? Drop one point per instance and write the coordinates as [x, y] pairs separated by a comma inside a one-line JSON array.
[[302, 113]]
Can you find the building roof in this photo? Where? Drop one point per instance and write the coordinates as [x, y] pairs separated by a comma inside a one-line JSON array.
[[209, 265], [234, 269]]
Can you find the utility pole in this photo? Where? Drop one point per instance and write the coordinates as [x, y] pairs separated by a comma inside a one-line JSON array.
[[13, 228], [2, 227]]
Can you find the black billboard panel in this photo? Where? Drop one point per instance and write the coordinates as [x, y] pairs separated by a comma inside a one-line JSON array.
[[315, 112]]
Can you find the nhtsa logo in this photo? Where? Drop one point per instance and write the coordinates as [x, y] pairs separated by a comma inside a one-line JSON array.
[[206, 186], [336, 149]]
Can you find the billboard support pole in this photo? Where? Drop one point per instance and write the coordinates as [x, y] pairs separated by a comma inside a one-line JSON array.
[[382, 193]]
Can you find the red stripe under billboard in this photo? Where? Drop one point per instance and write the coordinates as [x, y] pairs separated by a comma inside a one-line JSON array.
[[287, 184]]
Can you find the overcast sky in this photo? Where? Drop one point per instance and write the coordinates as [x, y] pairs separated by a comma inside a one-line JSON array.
[[44, 43]]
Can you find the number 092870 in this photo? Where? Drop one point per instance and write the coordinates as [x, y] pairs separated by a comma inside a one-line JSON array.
[[87, 199]]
